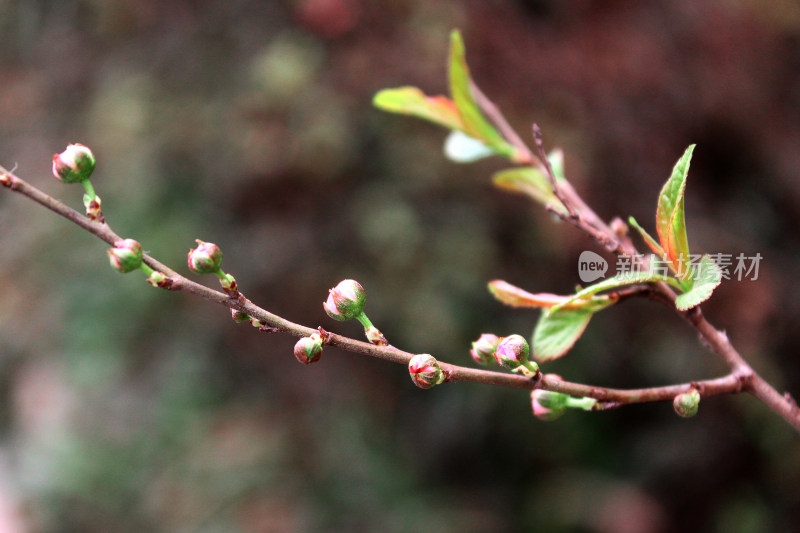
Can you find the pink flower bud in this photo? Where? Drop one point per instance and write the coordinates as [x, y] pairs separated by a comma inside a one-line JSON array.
[[206, 258], [687, 404], [425, 371], [548, 405], [544, 413], [483, 349], [346, 300], [308, 349], [73, 165], [512, 351], [125, 256]]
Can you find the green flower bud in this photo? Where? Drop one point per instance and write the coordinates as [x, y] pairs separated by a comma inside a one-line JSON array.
[[125, 256], [346, 300], [546, 406], [483, 349], [425, 371], [73, 165], [309, 349], [687, 404], [239, 316], [158, 279], [206, 258]]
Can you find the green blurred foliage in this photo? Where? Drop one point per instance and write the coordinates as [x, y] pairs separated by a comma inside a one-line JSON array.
[[250, 124]]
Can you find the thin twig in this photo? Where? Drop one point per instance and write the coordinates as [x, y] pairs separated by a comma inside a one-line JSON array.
[[607, 397]]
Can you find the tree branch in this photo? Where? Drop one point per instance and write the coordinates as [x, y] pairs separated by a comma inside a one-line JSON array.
[[607, 397]]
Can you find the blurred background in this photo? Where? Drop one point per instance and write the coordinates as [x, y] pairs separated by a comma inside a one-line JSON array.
[[249, 124]]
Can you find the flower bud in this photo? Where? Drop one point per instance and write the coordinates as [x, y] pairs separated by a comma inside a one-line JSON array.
[[73, 165], [687, 404], [308, 349], [483, 349], [125, 256], [346, 300], [375, 336], [239, 316], [425, 371], [206, 258], [158, 279], [512, 351], [546, 406]]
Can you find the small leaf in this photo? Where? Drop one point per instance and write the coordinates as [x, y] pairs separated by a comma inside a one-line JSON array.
[[651, 242], [516, 297], [556, 333], [531, 182], [475, 125], [620, 280], [412, 101], [706, 277], [461, 148], [670, 217]]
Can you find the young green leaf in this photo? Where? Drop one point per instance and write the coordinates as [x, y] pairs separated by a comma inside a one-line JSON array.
[[706, 277], [461, 148], [557, 332], [651, 242], [620, 280], [475, 125], [531, 182], [670, 217], [515, 297], [412, 101]]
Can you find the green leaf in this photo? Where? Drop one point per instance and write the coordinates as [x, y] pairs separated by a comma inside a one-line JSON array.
[[461, 148], [475, 125], [531, 182], [515, 297], [670, 217], [620, 280], [557, 332], [706, 277], [651, 242], [412, 101]]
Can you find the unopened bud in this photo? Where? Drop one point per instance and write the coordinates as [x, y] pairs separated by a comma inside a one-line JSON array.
[[158, 279], [206, 258], [512, 351], [125, 256], [425, 371], [687, 404], [346, 300], [483, 349], [546, 406], [375, 336], [73, 165], [239, 316], [308, 349]]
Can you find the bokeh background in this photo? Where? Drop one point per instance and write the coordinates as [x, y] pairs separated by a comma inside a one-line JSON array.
[[249, 124]]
